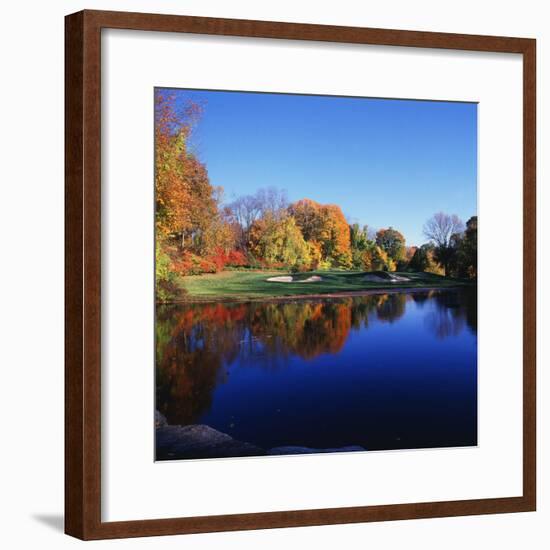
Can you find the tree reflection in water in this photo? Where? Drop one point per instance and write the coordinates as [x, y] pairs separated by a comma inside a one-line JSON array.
[[452, 313], [195, 342]]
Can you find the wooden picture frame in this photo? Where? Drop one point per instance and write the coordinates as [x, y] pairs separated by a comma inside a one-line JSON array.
[[83, 274]]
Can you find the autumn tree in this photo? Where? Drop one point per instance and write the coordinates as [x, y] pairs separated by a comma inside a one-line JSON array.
[[439, 229], [220, 231], [404, 263], [327, 226], [424, 259], [249, 208], [392, 241], [315, 254], [308, 216], [335, 236], [375, 258], [172, 190], [201, 206], [192, 228], [186, 202], [279, 241], [245, 211]]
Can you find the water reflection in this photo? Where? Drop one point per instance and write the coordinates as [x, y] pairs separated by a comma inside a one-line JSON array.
[[198, 344]]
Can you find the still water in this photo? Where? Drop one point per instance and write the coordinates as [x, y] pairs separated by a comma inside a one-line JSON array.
[[390, 371]]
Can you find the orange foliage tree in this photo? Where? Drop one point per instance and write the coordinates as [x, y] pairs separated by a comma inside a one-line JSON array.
[[326, 228], [193, 234], [172, 188]]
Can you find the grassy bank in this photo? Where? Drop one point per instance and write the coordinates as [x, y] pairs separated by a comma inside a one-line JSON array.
[[253, 284]]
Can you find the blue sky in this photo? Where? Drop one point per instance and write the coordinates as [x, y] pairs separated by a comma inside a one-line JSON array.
[[385, 162]]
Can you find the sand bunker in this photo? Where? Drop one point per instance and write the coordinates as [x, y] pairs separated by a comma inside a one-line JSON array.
[[290, 279], [285, 279], [391, 278], [312, 279], [371, 277]]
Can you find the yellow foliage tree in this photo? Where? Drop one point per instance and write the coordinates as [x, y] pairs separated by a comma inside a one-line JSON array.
[[280, 241], [376, 258], [326, 226], [172, 190]]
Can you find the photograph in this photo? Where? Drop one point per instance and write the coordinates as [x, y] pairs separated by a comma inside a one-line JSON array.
[[264, 315], [316, 273]]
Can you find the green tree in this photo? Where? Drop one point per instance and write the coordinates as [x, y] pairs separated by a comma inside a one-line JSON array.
[[359, 242], [423, 259], [420, 260], [392, 241], [467, 250]]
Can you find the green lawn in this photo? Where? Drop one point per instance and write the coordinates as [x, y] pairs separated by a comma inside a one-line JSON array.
[[253, 284]]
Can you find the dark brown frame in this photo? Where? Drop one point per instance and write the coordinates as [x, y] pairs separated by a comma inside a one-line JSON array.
[[83, 274]]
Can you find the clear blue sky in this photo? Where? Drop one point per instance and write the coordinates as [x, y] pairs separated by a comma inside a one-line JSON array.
[[385, 162]]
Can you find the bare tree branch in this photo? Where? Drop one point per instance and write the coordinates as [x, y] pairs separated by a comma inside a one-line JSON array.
[[441, 227]]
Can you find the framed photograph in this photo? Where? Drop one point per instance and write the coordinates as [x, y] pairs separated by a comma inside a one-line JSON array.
[[286, 300]]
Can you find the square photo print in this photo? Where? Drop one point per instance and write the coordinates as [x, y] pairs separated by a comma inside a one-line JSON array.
[[315, 274]]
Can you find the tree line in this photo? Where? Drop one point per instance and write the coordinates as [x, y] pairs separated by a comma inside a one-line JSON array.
[[197, 231]]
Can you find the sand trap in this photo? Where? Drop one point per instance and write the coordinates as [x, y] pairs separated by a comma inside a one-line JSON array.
[[290, 279], [312, 279], [390, 279], [399, 278]]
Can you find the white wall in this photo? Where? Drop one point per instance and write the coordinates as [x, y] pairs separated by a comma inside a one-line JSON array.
[[31, 123]]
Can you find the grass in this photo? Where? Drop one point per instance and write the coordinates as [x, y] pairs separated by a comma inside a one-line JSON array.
[[253, 285]]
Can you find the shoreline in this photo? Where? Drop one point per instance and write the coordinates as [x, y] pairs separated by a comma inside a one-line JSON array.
[[200, 441], [313, 296]]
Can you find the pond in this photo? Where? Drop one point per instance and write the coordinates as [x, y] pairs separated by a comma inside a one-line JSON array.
[[382, 372]]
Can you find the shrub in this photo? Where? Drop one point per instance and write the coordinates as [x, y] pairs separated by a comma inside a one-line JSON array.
[[236, 258], [324, 265], [166, 279]]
